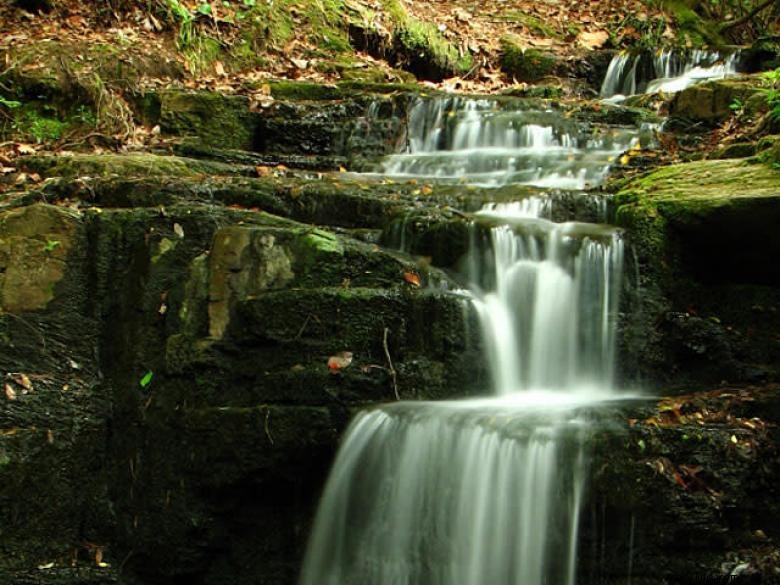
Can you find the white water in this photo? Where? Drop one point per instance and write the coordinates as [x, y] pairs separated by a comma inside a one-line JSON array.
[[488, 491], [667, 71], [481, 142], [549, 307]]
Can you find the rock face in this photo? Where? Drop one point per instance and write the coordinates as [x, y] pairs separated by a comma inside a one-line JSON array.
[[181, 401], [708, 283]]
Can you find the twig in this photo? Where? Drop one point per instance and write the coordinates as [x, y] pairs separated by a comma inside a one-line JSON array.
[[300, 331], [267, 425], [391, 369], [32, 328]]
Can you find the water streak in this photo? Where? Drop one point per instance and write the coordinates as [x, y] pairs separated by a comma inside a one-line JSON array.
[[666, 70]]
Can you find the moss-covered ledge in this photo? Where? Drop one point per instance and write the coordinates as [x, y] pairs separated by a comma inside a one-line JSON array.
[[705, 243]]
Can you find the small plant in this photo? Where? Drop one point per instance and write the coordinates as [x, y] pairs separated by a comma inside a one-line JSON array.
[[10, 104], [772, 94], [737, 106], [51, 245]]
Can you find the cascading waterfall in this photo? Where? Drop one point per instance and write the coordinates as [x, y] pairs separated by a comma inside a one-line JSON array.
[[666, 70], [565, 278], [487, 491], [483, 143]]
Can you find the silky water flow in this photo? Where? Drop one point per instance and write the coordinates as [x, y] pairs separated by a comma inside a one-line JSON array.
[[488, 491]]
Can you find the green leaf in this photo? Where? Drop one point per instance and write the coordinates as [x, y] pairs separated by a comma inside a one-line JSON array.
[[147, 379], [50, 245], [9, 103], [250, 3], [204, 8]]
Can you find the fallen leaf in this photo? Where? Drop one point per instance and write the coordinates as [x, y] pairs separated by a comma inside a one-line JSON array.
[[147, 379], [219, 68], [178, 230], [10, 393], [25, 149], [24, 381], [339, 361], [412, 278], [592, 40], [263, 171]]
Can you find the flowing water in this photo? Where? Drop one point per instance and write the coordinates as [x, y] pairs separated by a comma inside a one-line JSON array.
[[488, 491], [484, 142], [666, 70]]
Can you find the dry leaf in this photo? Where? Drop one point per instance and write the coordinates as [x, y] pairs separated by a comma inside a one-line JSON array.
[[25, 149], [219, 68], [412, 278], [178, 230], [24, 381], [339, 361], [262, 171], [10, 393], [592, 40]]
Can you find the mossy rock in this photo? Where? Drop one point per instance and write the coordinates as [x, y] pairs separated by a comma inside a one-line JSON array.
[[725, 210], [711, 102], [36, 242], [525, 64], [735, 150], [137, 164], [219, 120]]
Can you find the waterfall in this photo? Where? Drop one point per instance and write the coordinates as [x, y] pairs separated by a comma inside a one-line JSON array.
[[548, 316], [484, 142], [666, 70], [488, 491]]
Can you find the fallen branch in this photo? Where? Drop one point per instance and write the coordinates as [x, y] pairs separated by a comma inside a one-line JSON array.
[[391, 369], [740, 21]]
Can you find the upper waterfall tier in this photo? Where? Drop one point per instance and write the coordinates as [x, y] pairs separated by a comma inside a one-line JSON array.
[[666, 70], [484, 142]]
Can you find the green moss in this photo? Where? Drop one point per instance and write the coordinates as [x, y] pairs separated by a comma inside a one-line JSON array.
[[691, 28], [304, 90], [426, 50], [119, 165], [533, 23], [525, 64], [218, 120]]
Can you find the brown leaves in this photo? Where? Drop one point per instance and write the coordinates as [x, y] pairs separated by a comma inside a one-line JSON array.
[[18, 383]]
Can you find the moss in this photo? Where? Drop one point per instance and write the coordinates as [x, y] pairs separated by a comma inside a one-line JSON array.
[[533, 23], [691, 28], [119, 165], [425, 51], [216, 119], [525, 64], [304, 90], [711, 102]]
